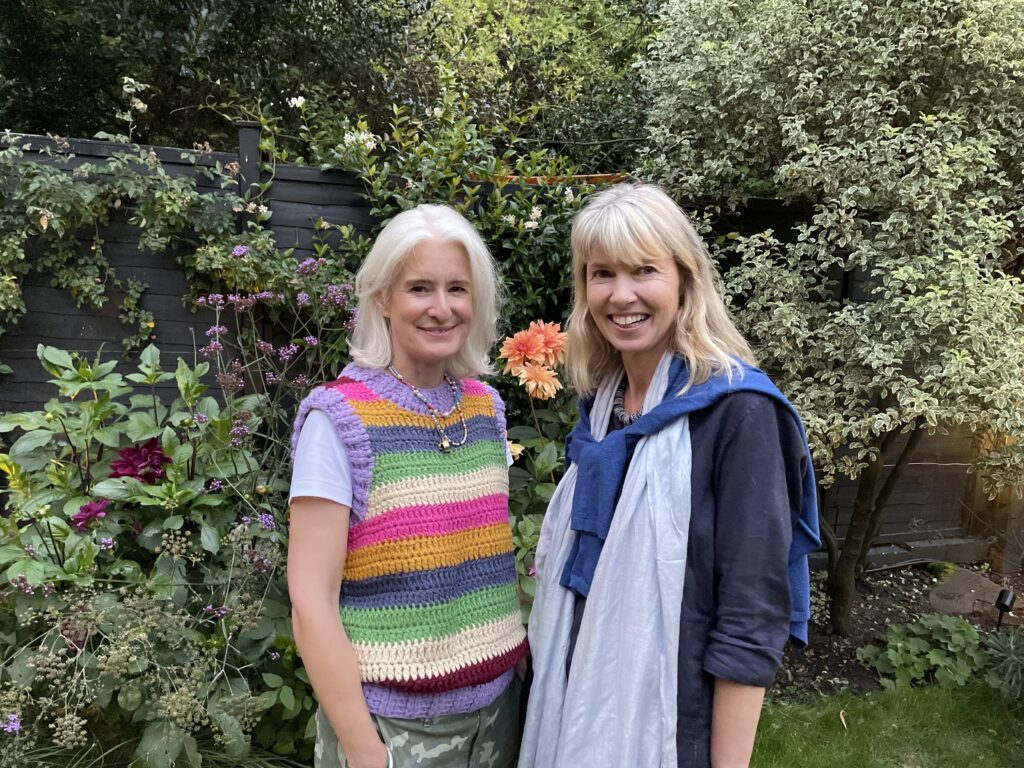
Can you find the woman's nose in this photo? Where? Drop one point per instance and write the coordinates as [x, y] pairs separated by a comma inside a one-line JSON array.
[[623, 291], [439, 307]]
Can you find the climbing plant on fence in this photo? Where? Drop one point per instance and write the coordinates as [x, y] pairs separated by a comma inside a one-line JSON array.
[[53, 214]]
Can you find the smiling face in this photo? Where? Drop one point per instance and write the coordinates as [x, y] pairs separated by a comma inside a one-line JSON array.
[[429, 310], [634, 307]]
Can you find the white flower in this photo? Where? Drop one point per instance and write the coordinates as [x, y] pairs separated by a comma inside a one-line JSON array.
[[296, 102], [438, 111], [569, 196], [509, 219], [535, 213], [138, 104], [365, 138], [529, 224]]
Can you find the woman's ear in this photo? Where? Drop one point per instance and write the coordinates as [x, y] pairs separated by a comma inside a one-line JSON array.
[[382, 305]]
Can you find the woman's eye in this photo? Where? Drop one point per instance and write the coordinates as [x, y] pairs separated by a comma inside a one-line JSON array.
[[600, 273], [648, 269]]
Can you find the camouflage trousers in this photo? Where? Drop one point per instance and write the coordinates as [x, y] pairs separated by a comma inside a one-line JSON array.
[[486, 738]]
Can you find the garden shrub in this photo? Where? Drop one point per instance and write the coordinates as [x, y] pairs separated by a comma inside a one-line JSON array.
[[935, 648], [882, 305], [1006, 662], [144, 545]]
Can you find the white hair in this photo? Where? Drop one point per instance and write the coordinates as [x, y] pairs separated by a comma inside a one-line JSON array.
[[370, 344]]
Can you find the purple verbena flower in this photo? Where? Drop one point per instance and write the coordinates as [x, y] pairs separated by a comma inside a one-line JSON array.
[[214, 301], [265, 347], [287, 352], [12, 724], [240, 251], [301, 381], [216, 613], [211, 349], [308, 267], [216, 330], [242, 302], [258, 562], [266, 295], [143, 462], [302, 298], [106, 544], [274, 656], [201, 418], [271, 378], [311, 341], [88, 513], [266, 521], [29, 550], [214, 485], [231, 380]]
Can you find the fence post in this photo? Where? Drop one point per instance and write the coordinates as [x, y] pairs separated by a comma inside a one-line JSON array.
[[248, 154]]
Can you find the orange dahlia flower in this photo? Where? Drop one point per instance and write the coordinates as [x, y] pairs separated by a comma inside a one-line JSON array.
[[552, 341], [520, 349], [541, 382]]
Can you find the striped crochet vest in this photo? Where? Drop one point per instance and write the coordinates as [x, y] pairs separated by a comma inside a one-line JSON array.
[[428, 596]]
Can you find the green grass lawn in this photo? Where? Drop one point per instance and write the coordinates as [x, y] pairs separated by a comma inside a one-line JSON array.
[[930, 727]]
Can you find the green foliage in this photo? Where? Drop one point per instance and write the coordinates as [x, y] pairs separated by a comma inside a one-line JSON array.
[[53, 214], [944, 649], [895, 127], [570, 62], [532, 481], [520, 201], [201, 58], [941, 570], [892, 132], [143, 550], [1006, 662]]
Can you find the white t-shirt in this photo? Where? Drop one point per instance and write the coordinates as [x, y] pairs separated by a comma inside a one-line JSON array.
[[321, 467]]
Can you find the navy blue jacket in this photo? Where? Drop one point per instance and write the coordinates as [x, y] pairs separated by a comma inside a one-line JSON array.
[[748, 463]]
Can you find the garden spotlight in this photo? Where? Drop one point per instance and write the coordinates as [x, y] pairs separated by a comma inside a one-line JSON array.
[[1004, 603]]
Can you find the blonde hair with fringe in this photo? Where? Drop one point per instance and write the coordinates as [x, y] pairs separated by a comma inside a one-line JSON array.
[[370, 344], [627, 223]]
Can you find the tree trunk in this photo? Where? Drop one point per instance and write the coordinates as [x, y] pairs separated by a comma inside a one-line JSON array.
[[841, 583], [883, 495]]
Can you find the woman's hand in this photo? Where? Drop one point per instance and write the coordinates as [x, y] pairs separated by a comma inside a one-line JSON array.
[[374, 756]]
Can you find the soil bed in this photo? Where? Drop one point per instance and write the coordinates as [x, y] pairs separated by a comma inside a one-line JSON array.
[[829, 663]]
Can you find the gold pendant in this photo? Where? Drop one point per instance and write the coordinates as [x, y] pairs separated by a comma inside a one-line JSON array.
[[445, 445]]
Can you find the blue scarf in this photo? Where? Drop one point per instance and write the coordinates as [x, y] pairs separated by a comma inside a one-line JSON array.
[[602, 469]]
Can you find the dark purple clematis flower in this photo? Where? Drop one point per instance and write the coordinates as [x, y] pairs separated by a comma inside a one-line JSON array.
[[143, 462], [87, 513]]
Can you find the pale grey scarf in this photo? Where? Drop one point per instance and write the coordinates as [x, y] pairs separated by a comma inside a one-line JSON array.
[[618, 706]]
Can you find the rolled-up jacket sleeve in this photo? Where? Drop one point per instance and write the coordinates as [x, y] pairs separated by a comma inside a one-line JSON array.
[[758, 465]]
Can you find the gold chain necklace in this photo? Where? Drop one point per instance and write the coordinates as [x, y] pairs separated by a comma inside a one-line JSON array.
[[444, 443]]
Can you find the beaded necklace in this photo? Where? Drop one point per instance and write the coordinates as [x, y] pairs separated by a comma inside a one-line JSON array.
[[619, 407], [444, 443]]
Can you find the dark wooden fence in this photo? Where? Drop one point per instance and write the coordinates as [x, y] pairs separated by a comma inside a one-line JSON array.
[[929, 513]]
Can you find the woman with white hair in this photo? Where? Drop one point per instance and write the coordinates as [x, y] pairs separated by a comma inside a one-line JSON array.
[[672, 562], [399, 514]]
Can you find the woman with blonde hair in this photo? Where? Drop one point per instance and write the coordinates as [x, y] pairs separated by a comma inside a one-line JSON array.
[[400, 564], [672, 563]]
